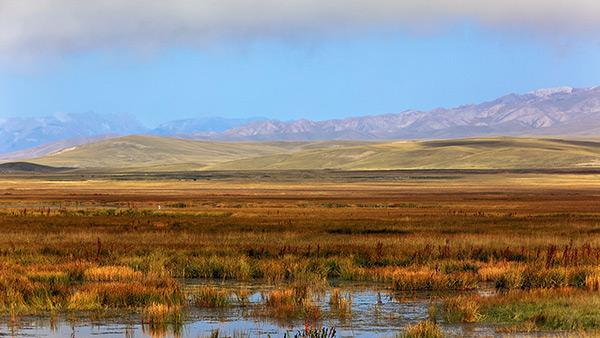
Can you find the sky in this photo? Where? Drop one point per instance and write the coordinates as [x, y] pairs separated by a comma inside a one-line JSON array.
[[162, 61]]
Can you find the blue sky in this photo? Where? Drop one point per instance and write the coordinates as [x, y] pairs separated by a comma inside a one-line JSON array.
[[318, 76]]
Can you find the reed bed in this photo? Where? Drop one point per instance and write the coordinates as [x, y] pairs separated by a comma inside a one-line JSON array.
[[106, 246], [44, 291]]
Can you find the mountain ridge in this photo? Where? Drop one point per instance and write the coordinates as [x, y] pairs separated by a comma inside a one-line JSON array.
[[540, 112], [560, 111]]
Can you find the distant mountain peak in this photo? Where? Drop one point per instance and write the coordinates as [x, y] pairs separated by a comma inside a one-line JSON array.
[[544, 92]]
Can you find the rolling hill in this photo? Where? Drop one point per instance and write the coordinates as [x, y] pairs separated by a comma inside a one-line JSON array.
[[29, 168], [482, 153], [161, 154]]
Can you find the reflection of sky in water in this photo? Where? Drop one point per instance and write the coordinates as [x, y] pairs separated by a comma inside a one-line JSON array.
[[375, 312]]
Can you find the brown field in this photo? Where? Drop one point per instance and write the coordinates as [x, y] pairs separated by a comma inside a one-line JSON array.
[[71, 245]]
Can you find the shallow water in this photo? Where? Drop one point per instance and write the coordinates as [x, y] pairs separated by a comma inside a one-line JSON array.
[[376, 312]]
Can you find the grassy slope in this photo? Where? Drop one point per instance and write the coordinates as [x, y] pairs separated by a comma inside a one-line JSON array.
[[155, 153], [161, 153], [488, 153], [26, 167]]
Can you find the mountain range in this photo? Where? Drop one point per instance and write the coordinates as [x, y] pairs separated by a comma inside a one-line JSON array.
[[562, 111], [553, 111]]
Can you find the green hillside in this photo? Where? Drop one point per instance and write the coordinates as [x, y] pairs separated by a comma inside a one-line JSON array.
[[159, 154], [491, 153], [163, 153]]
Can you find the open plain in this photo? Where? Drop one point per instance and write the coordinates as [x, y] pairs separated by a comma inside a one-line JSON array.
[[515, 251]]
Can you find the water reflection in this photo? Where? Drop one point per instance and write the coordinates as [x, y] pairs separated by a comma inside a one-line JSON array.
[[375, 311]]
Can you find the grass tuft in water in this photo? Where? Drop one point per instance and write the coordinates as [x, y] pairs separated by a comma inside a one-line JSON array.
[[424, 329], [211, 297]]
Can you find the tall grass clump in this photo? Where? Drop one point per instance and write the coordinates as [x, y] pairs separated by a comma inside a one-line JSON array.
[[131, 295], [163, 320], [161, 314], [425, 279], [291, 302], [461, 309], [531, 277], [16, 291], [340, 304], [111, 274], [283, 302], [210, 297], [424, 329], [84, 301], [592, 281], [215, 267]]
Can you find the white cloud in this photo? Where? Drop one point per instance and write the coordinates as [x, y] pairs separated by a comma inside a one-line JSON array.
[[41, 28]]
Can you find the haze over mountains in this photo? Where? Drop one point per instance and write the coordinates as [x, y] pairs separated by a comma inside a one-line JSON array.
[[19, 133], [24, 137], [561, 111], [206, 124]]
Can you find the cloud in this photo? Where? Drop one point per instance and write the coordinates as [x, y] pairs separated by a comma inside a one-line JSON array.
[[42, 28]]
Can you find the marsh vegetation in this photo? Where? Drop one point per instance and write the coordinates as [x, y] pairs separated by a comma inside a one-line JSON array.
[[518, 257]]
